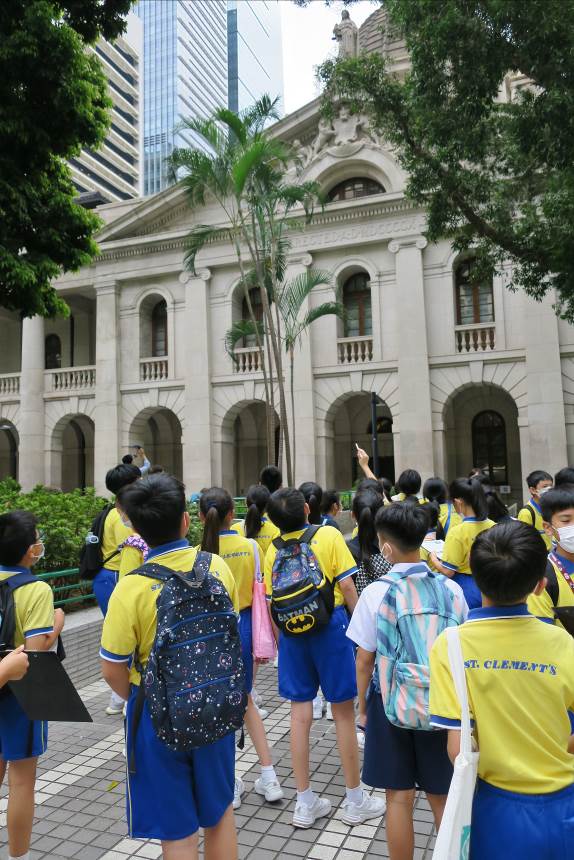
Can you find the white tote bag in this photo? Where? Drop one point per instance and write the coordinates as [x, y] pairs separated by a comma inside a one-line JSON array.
[[453, 840]]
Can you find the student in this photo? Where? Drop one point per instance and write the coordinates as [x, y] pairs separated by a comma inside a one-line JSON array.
[[399, 759], [331, 508], [520, 681], [271, 478], [257, 526], [408, 485], [496, 509], [436, 490], [171, 794], [538, 483], [37, 625], [313, 494], [216, 513], [134, 549], [564, 476], [324, 658], [431, 510], [557, 509], [365, 546], [470, 502]]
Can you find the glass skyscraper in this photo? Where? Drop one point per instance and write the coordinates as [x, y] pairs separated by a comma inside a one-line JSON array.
[[255, 56]]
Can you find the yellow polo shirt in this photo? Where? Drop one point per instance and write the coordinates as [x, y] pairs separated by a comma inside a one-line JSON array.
[[267, 533], [131, 621], [331, 552], [443, 517], [531, 514], [520, 680], [541, 604], [239, 555], [33, 606], [113, 537], [459, 541]]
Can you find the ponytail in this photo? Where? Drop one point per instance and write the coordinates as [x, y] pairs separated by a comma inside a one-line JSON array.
[[472, 494], [257, 498], [313, 496], [215, 504], [435, 490], [365, 507]]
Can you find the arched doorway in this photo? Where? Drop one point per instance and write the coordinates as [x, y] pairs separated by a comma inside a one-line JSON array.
[[72, 455], [244, 445], [8, 450], [350, 422], [158, 431]]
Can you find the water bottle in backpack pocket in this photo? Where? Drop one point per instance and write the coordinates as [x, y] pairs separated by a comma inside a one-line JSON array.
[[302, 598]]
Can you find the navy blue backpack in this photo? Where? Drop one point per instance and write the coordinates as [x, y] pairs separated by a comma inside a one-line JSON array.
[[194, 681]]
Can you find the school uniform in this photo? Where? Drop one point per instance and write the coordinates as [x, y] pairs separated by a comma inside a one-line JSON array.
[[520, 680], [398, 758], [113, 536], [325, 658], [328, 520], [448, 517], [266, 535], [134, 553], [21, 738], [456, 556], [531, 514], [171, 794]]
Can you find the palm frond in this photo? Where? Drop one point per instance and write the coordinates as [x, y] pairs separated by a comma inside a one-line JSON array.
[[264, 109], [295, 292], [195, 241], [324, 310], [208, 129], [234, 123], [246, 165], [238, 331]]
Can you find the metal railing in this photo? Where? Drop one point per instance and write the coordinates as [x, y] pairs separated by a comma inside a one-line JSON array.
[[77, 583]]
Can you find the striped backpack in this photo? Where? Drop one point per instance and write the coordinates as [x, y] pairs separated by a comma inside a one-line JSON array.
[[417, 607]]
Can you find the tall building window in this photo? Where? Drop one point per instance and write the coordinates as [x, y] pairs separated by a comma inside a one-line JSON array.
[[257, 306], [352, 189], [53, 352], [357, 304], [489, 445], [159, 329], [474, 301]]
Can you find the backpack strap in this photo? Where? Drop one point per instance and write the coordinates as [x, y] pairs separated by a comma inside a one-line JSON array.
[[20, 579], [552, 587], [153, 571], [531, 513], [306, 537]]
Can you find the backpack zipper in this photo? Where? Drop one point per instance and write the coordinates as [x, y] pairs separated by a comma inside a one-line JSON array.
[[204, 684], [201, 617], [196, 639]]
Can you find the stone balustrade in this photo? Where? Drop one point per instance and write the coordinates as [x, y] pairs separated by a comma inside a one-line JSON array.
[[354, 350], [248, 360], [70, 379], [475, 338], [153, 369], [9, 385]]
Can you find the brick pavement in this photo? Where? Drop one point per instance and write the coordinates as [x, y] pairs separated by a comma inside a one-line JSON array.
[[80, 795]]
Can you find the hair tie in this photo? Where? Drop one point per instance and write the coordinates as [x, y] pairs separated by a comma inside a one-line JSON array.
[[210, 505]]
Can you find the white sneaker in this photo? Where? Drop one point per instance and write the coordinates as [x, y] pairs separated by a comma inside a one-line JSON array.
[[329, 714], [276, 662], [361, 740], [271, 791], [317, 707], [369, 807], [238, 790], [257, 700], [305, 815], [115, 710], [262, 712]]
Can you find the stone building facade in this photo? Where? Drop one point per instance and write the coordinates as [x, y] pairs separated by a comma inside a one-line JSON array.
[[465, 375]]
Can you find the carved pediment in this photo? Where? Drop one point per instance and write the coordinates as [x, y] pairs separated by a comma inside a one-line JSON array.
[[166, 212]]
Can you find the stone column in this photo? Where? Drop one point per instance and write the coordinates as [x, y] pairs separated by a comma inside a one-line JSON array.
[[31, 427], [546, 418], [415, 447], [197, 433], [107, 405]]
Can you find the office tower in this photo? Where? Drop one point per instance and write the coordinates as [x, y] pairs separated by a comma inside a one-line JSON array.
[[113, 172], [185, 75], [255, 55]]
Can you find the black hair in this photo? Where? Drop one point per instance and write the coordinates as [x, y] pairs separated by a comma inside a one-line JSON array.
[[387, 486], [17, 534], [127, 459], [156, 470], [432, 511], [507, 561], [564, 476], [365, 507], [497, 510], [436, 490], [557, 499], [215, 504], [409, 482], [257, 498], [472, 494], [120, 476], [286, 510], [405, 525], [154, 506], [535, 477], [330, 498], [271, 478], [477, 472], [313, 496], [371, 484]]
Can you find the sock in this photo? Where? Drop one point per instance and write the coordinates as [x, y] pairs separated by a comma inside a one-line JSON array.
[[307, 797], [268, 774], [355, 795], [25, 856]]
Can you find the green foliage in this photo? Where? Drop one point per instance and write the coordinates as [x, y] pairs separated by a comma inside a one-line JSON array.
[[494, 175], [53, 102], [195, 532]]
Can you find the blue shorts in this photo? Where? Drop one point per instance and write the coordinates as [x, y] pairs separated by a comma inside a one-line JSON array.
[[525, 826], [324, 659], [246, 634], [470, 589], [104, 583], [172, 794], [402, 759], [20, 737]]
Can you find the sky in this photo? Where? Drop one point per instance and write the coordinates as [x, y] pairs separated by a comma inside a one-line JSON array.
[[307, 41]]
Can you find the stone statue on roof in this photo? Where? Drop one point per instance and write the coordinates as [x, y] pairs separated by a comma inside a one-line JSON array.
[[346, 33]]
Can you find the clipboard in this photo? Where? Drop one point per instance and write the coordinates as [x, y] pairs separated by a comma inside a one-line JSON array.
[[47, 693]]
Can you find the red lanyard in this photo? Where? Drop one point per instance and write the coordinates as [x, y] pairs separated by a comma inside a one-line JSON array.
[[556, 561]]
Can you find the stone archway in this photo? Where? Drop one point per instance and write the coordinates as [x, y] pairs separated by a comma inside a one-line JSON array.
[[9, 444], [72, 453], [244, 445], [158, 431]]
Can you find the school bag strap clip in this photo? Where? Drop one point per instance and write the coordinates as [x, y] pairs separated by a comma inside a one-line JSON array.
[[306, 537]]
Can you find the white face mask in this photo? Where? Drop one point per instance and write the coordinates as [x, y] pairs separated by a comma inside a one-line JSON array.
[[566, 538], [387, 553], [42, 552], [541, 492]]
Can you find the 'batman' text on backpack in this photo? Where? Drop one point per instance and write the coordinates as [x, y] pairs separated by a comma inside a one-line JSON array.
[[91, 556], [194, 681], [417, 607], [302, 598]]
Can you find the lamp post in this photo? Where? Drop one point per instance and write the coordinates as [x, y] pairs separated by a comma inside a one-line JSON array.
[[374, 439]]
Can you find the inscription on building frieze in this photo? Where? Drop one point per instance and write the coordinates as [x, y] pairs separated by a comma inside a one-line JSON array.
[[357, 233]]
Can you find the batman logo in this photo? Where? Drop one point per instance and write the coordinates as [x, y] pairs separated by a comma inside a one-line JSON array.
[[300, 623]]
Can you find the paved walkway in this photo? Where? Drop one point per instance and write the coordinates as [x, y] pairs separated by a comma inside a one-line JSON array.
[[81, 784]]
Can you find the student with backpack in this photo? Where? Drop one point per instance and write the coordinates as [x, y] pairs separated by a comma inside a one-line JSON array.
[[180, 737], [409, 486], [395, 624], [27, 617], [244, 559], [538, 483], [309, 585], [436, 490], [256, 525], [365, 545]]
